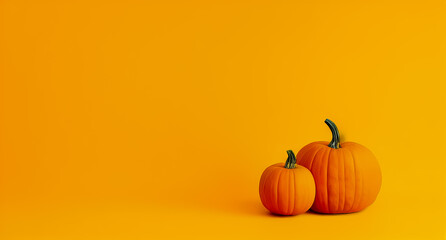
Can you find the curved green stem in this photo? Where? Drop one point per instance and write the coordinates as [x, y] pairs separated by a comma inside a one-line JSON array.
[[291, 161], [335, 141]]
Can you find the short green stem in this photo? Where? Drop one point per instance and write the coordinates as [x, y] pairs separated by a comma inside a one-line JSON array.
[[291, 161], [335, 141]]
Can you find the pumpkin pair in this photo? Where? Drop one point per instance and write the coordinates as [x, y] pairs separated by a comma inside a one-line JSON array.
[[329, 177]]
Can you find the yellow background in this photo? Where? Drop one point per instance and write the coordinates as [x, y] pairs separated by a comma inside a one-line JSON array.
[[146, 120]]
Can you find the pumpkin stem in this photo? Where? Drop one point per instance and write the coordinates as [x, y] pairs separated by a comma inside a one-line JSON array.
[[335, 141], [291, 161]]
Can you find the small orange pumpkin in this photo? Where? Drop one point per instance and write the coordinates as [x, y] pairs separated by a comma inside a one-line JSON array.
[[347, 175], [287, 189]]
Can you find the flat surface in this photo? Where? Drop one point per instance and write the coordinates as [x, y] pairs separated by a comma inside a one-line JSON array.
[[243, 220], [139, 120]]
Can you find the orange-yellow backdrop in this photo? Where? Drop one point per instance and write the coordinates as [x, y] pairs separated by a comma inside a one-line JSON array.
[[146, 120]]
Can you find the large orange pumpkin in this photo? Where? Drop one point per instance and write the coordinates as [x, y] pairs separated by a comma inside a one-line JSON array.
[[347, 175], [287, 189]]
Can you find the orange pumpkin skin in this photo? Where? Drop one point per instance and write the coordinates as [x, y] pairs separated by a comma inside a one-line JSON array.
[[348, 178], [287, 191]]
